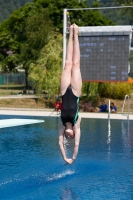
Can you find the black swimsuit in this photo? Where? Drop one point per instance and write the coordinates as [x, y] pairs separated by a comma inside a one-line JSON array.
[[69, 112]]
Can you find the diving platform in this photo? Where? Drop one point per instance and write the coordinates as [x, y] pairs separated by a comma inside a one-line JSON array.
[[4, 123]]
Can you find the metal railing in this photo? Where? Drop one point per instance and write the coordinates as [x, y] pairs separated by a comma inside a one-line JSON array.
[[109, 110], [126, 96]]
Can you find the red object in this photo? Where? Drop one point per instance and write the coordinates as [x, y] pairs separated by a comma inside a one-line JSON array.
[[58, 105]]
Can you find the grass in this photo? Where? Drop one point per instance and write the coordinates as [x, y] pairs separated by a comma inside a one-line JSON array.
[[12, 86], [42, 102], [23, 103], [11, 89]]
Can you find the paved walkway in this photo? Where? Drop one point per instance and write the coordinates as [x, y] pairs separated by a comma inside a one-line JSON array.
[[49, 112], [19, 96]]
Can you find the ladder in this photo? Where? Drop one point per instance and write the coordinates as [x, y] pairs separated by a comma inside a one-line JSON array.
[[126, 97]]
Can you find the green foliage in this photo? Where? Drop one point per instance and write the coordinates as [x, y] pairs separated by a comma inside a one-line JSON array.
[[38, 27], [8, 6], [85, 88], [28, 34], [94, 100], [46, 71], [90, 92], [10, 61], [118, 16], [90, 89], [93, 91], [26, 31], [114, 90], [125, 2], [13, 34], [127, 12], [80, 17], [25, 34]]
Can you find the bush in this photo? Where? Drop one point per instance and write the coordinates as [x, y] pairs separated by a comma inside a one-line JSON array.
[[115, 90], [94, 100]]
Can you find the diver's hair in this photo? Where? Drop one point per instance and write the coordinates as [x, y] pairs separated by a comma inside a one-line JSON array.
[[112, 103], [67, 137]]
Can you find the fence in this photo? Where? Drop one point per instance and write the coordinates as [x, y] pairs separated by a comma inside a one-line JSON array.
[[12, 78]]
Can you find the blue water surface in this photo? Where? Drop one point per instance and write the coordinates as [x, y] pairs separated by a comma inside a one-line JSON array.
[[31, 166]]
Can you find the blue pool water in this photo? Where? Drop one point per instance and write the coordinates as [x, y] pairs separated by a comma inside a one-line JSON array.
[[31, 167]]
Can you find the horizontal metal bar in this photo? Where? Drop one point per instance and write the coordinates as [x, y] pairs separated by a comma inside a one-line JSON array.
[[100, 8]]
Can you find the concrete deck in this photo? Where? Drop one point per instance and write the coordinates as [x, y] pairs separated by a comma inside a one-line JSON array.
[[50, 113], [19, 96]]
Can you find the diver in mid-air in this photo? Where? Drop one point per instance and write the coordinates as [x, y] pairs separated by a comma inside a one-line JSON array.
[[70, 87]]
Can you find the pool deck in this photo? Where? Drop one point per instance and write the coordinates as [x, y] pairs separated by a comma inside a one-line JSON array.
[[52, 113]]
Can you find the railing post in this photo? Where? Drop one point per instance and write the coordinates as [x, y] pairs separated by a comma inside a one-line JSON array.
[[109, 126], [109, 110], [64, 35], [126, 96]]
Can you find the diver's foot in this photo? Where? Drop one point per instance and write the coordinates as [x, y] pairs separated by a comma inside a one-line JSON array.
[[76, 30], [71, 31]]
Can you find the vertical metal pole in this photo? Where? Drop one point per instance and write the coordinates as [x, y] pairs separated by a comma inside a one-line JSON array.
[[7, 82], [109, 111], [128, 113], [109, 127], [128, 107], [64, 35]]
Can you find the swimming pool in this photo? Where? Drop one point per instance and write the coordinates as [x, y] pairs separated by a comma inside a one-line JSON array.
[[31, 167]]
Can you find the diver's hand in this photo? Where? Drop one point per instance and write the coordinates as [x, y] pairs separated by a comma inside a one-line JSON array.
[[69, 161]]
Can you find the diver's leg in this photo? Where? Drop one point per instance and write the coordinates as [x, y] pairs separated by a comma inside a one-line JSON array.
[[66, 74], [76, 79]]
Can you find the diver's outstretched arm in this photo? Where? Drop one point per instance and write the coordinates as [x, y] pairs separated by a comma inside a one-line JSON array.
[[77, 138], [61, 144]]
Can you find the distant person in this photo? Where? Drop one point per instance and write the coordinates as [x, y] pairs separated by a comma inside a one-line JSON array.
[[103, 107], [87, 107], [90, 107], [113, 108], [34, 91], [58, 106], [24, 91]]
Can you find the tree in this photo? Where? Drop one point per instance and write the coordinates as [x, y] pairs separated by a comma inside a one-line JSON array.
[[7, 7], [13, 34], [116, 90], [23, 35], [46, 71], [126, 12], [80, 17], [125, 2], [38, 28]]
